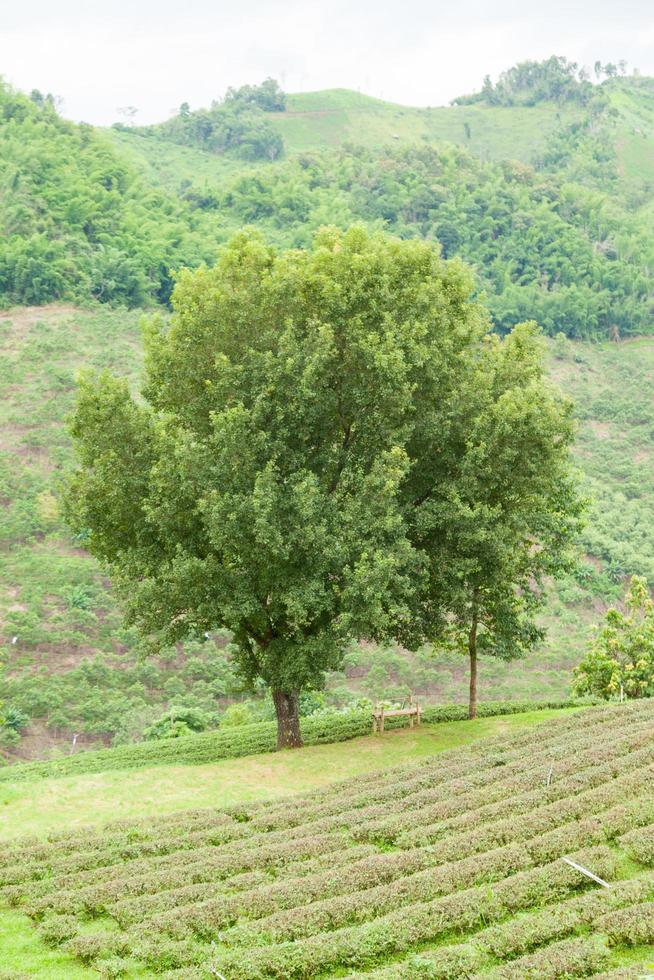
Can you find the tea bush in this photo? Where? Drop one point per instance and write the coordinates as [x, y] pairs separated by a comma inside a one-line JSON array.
[[307, 887]]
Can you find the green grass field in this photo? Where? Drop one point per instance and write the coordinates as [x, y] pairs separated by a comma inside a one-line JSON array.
[[449, 867], [46, 805]]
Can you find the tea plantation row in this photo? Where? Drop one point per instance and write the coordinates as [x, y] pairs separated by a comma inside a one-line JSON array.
[[450, 869]]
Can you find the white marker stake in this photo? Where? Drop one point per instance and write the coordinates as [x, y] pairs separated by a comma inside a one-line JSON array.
[[585, 871]]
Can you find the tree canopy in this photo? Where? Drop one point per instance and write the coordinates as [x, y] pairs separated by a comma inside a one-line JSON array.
[[511, 510], [310, 449], [553, 80], [235, 125]]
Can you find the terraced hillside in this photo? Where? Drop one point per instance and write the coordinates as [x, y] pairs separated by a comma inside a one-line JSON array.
[[450, 869]]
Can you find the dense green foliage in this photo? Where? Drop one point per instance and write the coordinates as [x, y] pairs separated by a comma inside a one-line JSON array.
[[396, 463], [237, 125], [249, 739], [267, 96], [620, 659], [588, 184], [531, 82], [530, 247], [76, 221], [562, 241], [74, 668], [450, 869], [513, 512]]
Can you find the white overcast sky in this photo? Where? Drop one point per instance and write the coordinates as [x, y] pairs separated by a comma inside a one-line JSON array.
[[155, 54]]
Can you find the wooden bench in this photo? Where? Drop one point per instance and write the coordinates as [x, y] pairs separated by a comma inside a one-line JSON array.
[[380, 713]]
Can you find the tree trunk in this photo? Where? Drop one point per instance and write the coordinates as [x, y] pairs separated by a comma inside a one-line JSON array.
[[287, 706], [472, 650]]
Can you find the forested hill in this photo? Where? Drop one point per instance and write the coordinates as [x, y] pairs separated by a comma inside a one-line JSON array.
[[544, 183]]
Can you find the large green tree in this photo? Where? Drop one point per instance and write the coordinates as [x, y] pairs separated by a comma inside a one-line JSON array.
[[289, 470]]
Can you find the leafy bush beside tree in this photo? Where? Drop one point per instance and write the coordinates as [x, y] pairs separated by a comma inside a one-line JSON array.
[[620, 660]]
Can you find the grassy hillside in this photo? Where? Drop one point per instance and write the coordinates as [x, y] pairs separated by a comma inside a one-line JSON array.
[[331, 118], [547, 202], [633, 103], [74, 669], [450, 868], [37, 799], [328, 119]]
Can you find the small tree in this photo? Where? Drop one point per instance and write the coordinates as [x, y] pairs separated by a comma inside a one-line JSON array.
[[262, 485], [561, 347], [620, 659], [510, 511]]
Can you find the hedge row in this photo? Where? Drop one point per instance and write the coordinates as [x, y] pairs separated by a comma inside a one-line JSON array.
[[582, 769], [460, 771], [127, 911], [369, 896], [355, 945], [176, 890], [519, 936], [110, 848], [496, 750], [632, 926], [640, 845], [116, 836], [515, 937], [261, 892], [36, 860], [152, 855], [568, 958], [538, 820], [323, 879], [95, 889], [347, 804], [249, 740], [398, 931], [365, 899]]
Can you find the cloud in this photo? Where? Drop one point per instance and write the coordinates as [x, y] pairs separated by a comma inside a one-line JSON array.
[[156, 54]]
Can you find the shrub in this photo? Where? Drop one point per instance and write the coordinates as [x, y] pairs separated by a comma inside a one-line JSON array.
[[176, 722], [568, 958], [632, 926]]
